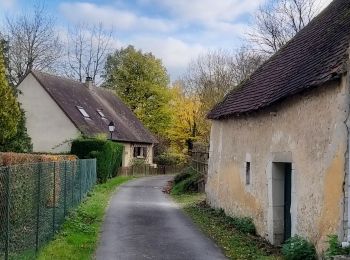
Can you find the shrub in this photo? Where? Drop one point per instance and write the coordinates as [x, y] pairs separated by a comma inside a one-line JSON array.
[[182, 176], [186, 182], [138, 162], [243, 224], [107, 153], [170, 159], [296, 248], [335, 247]]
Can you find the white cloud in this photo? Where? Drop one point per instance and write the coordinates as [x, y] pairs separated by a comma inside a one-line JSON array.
[[321, 4], [118, 19], [7, 4], [175, 53], [206, 11]]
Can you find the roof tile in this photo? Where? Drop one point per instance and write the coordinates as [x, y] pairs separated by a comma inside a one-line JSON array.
[[317, 54], [70, 94]]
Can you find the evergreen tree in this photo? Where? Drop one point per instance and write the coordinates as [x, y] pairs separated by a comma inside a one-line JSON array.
[[20, 142], [9, 108]]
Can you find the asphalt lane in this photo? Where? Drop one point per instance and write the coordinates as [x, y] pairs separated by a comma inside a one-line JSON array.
[[144, 223]]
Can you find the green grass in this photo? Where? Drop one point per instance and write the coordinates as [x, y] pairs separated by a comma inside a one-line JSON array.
[[79, 234], [216, 225]]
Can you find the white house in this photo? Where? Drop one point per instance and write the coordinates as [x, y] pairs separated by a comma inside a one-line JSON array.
[[58, 110]]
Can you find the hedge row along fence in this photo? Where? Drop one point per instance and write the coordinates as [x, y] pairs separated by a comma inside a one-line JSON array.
[[7, 159], [36, 197], [107, 153]]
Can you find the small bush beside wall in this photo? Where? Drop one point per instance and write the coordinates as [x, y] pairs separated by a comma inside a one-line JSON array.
[[108, 154], [296, 248], [335, 248]]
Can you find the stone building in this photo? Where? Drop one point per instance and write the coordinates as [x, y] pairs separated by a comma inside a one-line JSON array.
[[279, 143], [59, 110]]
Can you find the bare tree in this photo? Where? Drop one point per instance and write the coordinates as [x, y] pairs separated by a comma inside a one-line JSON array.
[[212, 75], [87, 49], [244, 62], [33, 43], [277, 22]]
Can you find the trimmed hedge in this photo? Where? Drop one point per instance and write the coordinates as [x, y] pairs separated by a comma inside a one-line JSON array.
[[107, 153], [9, 158]]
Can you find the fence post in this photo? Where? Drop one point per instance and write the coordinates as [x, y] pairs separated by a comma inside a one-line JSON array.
[[38, 209], [72, 181], [65, 189], [7, 242], [54, 200], [80, 170]]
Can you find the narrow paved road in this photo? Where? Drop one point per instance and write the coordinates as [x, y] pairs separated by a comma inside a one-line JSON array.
[[143, 223]]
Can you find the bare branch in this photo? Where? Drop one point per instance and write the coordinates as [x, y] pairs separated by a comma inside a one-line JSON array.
[[87, 50], [277, 22], [33, 42]]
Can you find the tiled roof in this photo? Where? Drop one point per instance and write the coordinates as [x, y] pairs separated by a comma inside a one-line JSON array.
[[70, 94], [317, 54]]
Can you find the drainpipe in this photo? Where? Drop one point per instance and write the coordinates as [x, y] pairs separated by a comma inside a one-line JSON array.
[[347, 243]]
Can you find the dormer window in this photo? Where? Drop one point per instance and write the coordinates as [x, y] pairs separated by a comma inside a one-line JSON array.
[[83, 112]]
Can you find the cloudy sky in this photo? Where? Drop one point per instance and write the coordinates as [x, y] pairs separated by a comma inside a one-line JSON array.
[[174, 30]]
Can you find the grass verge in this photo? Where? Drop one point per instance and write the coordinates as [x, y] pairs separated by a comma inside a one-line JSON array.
[[79, 234], [216, 225]]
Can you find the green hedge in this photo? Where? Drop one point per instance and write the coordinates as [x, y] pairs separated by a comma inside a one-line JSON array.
[[108, 154]]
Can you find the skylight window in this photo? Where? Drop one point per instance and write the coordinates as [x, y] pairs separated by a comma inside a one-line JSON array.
[[99, 111], [83, 112]]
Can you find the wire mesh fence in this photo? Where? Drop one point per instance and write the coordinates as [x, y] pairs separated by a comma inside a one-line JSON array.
[[35, 199]]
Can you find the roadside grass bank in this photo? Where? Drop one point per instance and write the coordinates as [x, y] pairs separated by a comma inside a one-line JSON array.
[[79, 235], [218, 226]]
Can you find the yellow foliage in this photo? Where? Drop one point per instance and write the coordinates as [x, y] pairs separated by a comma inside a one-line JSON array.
[[188, 123]]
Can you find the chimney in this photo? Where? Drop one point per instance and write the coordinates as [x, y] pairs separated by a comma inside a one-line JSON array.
[[89, 83]]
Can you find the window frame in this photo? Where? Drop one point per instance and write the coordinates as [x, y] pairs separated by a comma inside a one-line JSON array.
[[83, 112], [248, 172], [100, 112]]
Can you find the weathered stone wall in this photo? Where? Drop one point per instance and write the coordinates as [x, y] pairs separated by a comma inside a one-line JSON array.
[[308, 130]]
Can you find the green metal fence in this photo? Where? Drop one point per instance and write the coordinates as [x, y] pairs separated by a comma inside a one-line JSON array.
[[34, 200]]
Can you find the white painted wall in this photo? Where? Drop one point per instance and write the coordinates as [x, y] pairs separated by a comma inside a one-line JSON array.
[[50, 129], [128, 154]]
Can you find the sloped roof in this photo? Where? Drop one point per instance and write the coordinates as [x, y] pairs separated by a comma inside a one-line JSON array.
[[70, 94], [317, 54]]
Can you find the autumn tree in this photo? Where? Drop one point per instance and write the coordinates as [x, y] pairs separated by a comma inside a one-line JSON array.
[[212, 75], [141, 81], [9, 112], [187, 123], [87, 50], [278, 21], [33, 42]]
